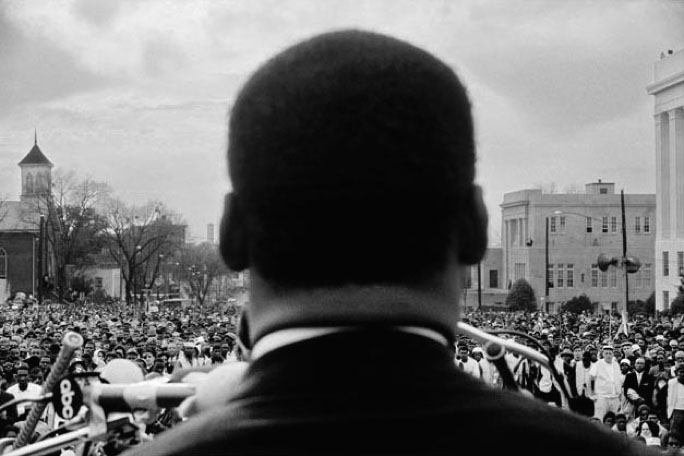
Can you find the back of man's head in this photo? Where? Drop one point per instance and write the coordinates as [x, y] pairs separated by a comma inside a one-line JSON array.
[[352, 160]]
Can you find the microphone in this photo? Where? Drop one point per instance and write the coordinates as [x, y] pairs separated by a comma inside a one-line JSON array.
[[495, 352], [149, 395], [70, 343]]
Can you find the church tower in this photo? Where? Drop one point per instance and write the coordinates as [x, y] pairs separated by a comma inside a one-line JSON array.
[[36, 173]]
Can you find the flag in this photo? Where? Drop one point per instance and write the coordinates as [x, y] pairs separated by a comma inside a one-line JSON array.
[[623, 325]]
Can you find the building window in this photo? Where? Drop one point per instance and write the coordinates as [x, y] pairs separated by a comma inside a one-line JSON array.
[[493, 278], [3, 264], [666, 299], [637, 225], [604, 279], [559, 276], [590, 226], [613, 278], [594, 275], [603, 191], [647, 275], [562, 223], [552, 227], [613, 224], [647, 224], [569, 276], [638, 281], [519, 271], [604, 225], [514, 231], [666, 264], [680, 263], [98, 282]]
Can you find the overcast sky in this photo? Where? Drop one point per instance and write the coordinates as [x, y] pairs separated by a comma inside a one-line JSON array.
[[135, 93]]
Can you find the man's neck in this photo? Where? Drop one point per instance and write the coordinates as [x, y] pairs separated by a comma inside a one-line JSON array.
[[433, 305]]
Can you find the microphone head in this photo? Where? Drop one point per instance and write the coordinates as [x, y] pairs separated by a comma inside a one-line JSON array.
[[121, 371], [494, 351]]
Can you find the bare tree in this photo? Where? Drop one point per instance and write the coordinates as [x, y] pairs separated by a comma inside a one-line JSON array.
[[71, 225], [138, 238], [204, 265]]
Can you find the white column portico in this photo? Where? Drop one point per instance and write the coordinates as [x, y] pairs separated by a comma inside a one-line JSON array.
[[667, 89]]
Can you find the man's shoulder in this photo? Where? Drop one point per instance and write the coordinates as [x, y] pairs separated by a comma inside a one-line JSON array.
[[521, 423]]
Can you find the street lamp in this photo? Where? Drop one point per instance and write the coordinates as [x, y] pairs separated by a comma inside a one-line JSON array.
[[628, 264]]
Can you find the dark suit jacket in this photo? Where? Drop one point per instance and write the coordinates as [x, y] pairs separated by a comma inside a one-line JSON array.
[[644, 388], [377, 392], [8, 416]]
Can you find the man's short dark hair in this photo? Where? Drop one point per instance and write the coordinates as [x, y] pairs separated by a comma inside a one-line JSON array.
[[351, 156]]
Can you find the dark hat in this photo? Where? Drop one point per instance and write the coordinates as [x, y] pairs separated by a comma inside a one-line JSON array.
[[566, 352]]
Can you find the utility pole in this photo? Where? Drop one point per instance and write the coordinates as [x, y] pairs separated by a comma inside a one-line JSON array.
[[41, 266], [624, 262], [479, 286], [546, 267]]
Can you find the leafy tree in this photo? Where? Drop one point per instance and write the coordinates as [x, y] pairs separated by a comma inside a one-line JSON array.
[[677, 306], [639, 306], [578, 304], [521, 297]]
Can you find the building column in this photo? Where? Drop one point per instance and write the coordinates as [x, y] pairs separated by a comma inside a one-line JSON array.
[[662, 127], [677, 152]]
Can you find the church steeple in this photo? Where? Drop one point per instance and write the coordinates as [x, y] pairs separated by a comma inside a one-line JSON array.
[[36, 174]]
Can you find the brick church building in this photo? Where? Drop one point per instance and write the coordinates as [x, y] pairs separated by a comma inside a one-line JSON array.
[[23, 253]]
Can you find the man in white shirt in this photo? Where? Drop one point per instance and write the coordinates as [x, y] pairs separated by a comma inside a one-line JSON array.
[[24, 389], [468, 364], [607, 383]]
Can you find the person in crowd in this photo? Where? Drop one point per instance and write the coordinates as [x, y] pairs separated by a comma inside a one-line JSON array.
[[23, 389], [466, 363], [583, 381], [675, 400], [647, 432], [607, 383], [638, 387], [342, 147], [620, 424], [609, 419], [8, 416]]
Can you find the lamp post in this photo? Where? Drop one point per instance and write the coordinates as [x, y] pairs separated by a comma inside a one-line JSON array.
[[628, 264], [546, 265]]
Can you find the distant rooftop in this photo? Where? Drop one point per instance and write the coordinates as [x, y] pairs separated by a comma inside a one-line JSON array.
[[35, 156]]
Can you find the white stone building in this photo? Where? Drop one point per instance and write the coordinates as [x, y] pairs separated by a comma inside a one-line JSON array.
[[667, 89]]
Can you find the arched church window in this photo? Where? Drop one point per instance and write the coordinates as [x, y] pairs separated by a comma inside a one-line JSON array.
[[3, 263], [29, 183]]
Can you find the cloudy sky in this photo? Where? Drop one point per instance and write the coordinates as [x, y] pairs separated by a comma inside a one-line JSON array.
[[135, 93]]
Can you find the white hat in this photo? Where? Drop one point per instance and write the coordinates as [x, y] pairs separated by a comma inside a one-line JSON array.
[[626, 361], [477, 350]]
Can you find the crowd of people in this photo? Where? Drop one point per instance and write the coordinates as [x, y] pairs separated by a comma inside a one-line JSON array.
[[631, 381], [628, 379], [159, 343]]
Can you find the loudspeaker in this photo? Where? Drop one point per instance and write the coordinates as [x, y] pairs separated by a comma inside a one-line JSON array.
[[604, 261], [633, 264]]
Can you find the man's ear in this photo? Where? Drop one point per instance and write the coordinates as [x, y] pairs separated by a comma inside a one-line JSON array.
[[472, 231], [233, 235]]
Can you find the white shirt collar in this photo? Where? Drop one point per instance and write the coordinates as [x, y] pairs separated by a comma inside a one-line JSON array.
[[290, 336]]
